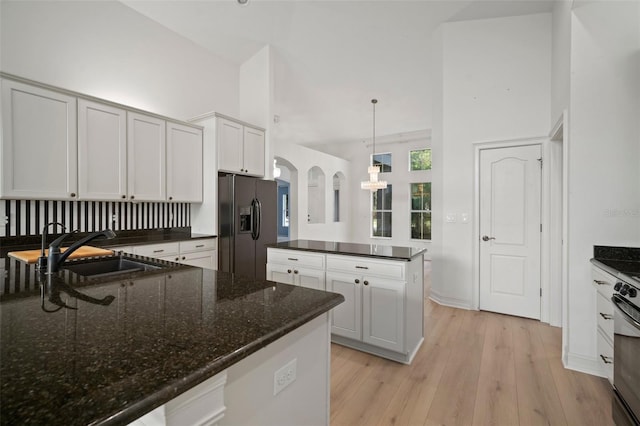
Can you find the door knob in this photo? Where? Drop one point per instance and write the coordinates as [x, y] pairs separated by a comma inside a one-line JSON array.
[[486, 238]]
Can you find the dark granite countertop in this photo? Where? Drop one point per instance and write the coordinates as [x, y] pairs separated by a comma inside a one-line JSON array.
[[155, 335], [352, 249], [123, 238], [623, 262]]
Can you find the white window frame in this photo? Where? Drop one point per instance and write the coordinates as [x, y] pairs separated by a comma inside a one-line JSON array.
[[382, 153], [409, 160], [419, 211], [371, 211]]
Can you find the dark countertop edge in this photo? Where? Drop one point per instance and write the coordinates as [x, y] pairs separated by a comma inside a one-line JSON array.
[[613, 271], [376, 256], [147, 404]]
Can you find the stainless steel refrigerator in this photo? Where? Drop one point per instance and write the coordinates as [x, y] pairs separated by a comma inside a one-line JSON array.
[[247, 222]]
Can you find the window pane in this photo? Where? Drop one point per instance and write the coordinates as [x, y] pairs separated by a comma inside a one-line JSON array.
[[421, 196], [386, 224], [421, 226], [420, 160], [384, 161], [381, 199], [376, 224]]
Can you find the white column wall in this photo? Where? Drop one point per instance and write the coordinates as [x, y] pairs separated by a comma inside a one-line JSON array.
[[495, 86], [604, 154]]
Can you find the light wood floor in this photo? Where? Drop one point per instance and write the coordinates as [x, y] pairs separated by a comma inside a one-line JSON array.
[[474, 368]]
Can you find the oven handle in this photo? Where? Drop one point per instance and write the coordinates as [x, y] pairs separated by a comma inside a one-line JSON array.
[[617, 302]]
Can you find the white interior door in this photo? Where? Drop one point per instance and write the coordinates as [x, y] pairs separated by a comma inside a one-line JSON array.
[[510, 199]]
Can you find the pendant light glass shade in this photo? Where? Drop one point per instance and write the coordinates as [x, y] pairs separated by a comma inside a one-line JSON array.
[[373, 184]]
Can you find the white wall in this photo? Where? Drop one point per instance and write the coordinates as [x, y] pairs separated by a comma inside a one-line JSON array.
[[359, 153], [604, 153], [560, 58], [303, 159], [495, 86], [107, 50]]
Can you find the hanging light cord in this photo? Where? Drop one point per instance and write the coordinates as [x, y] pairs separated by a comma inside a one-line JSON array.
[[374, 102]]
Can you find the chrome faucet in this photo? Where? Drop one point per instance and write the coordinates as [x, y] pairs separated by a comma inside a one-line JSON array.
[[56, 258]]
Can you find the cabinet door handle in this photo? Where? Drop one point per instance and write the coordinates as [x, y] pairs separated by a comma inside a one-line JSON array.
[[158, 251], [292, 258], [200, 246], [601, 282], [362, 267], [606, 316], [357, 281], [366, 283], [606, 359]]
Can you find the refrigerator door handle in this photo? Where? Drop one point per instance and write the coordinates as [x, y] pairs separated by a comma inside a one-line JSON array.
[[253, 219], [258, 219]]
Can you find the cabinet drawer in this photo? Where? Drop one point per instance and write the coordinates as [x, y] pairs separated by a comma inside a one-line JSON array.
[[204, 259], [296, 257], [197, 245], [157, 250], [603, 281], [605, 356], [381, 268], [605, 316]]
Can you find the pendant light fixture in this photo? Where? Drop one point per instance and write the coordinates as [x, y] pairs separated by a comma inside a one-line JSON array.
[[373, 184]]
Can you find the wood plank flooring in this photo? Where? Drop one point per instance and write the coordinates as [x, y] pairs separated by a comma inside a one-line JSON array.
[[474, 368]]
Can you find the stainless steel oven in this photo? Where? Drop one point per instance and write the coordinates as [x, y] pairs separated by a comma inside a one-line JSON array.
[[626, 352]]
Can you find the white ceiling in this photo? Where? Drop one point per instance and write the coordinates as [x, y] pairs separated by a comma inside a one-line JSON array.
[[334, 56]]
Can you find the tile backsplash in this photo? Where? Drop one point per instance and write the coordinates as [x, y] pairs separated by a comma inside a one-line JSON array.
[[28, 217]]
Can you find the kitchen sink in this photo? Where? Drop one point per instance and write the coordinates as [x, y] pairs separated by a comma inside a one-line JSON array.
[[105, 267]]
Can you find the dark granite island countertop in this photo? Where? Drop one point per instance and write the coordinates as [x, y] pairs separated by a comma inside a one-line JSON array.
[[352, 249], [162, 333]]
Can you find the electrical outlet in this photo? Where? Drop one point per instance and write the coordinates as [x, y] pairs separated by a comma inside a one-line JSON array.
[[284, 376]]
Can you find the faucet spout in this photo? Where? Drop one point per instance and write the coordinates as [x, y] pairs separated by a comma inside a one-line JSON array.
[[56, 258]]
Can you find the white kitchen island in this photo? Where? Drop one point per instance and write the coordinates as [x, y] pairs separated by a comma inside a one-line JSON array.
[[383, 312]]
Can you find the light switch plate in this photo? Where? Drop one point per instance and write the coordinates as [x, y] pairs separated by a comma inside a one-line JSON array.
[[464, 217], [450, 218]]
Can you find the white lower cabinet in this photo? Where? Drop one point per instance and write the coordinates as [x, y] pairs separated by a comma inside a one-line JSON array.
[[603, 283], [373, 311], [382, 312], [200, 253], [303, 269]]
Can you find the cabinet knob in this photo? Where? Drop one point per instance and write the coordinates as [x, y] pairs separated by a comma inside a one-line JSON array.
[[295, 271], [170, 198], [124, 196], [184, 258], [288, 271], [366, 283], [177, 258], [357, 281], [73, 194], [132, 197]]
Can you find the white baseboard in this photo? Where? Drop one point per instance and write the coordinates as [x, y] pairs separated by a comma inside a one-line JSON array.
[[450, 301], [583, 364]]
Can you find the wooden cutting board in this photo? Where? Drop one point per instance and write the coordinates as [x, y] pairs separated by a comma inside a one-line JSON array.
[[31, 256]]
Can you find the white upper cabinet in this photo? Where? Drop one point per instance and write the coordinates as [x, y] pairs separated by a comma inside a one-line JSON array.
[[240, 148], [253, 151], [184, 163], [102, 152], [146, 157], [39, 143], [230, 136]]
